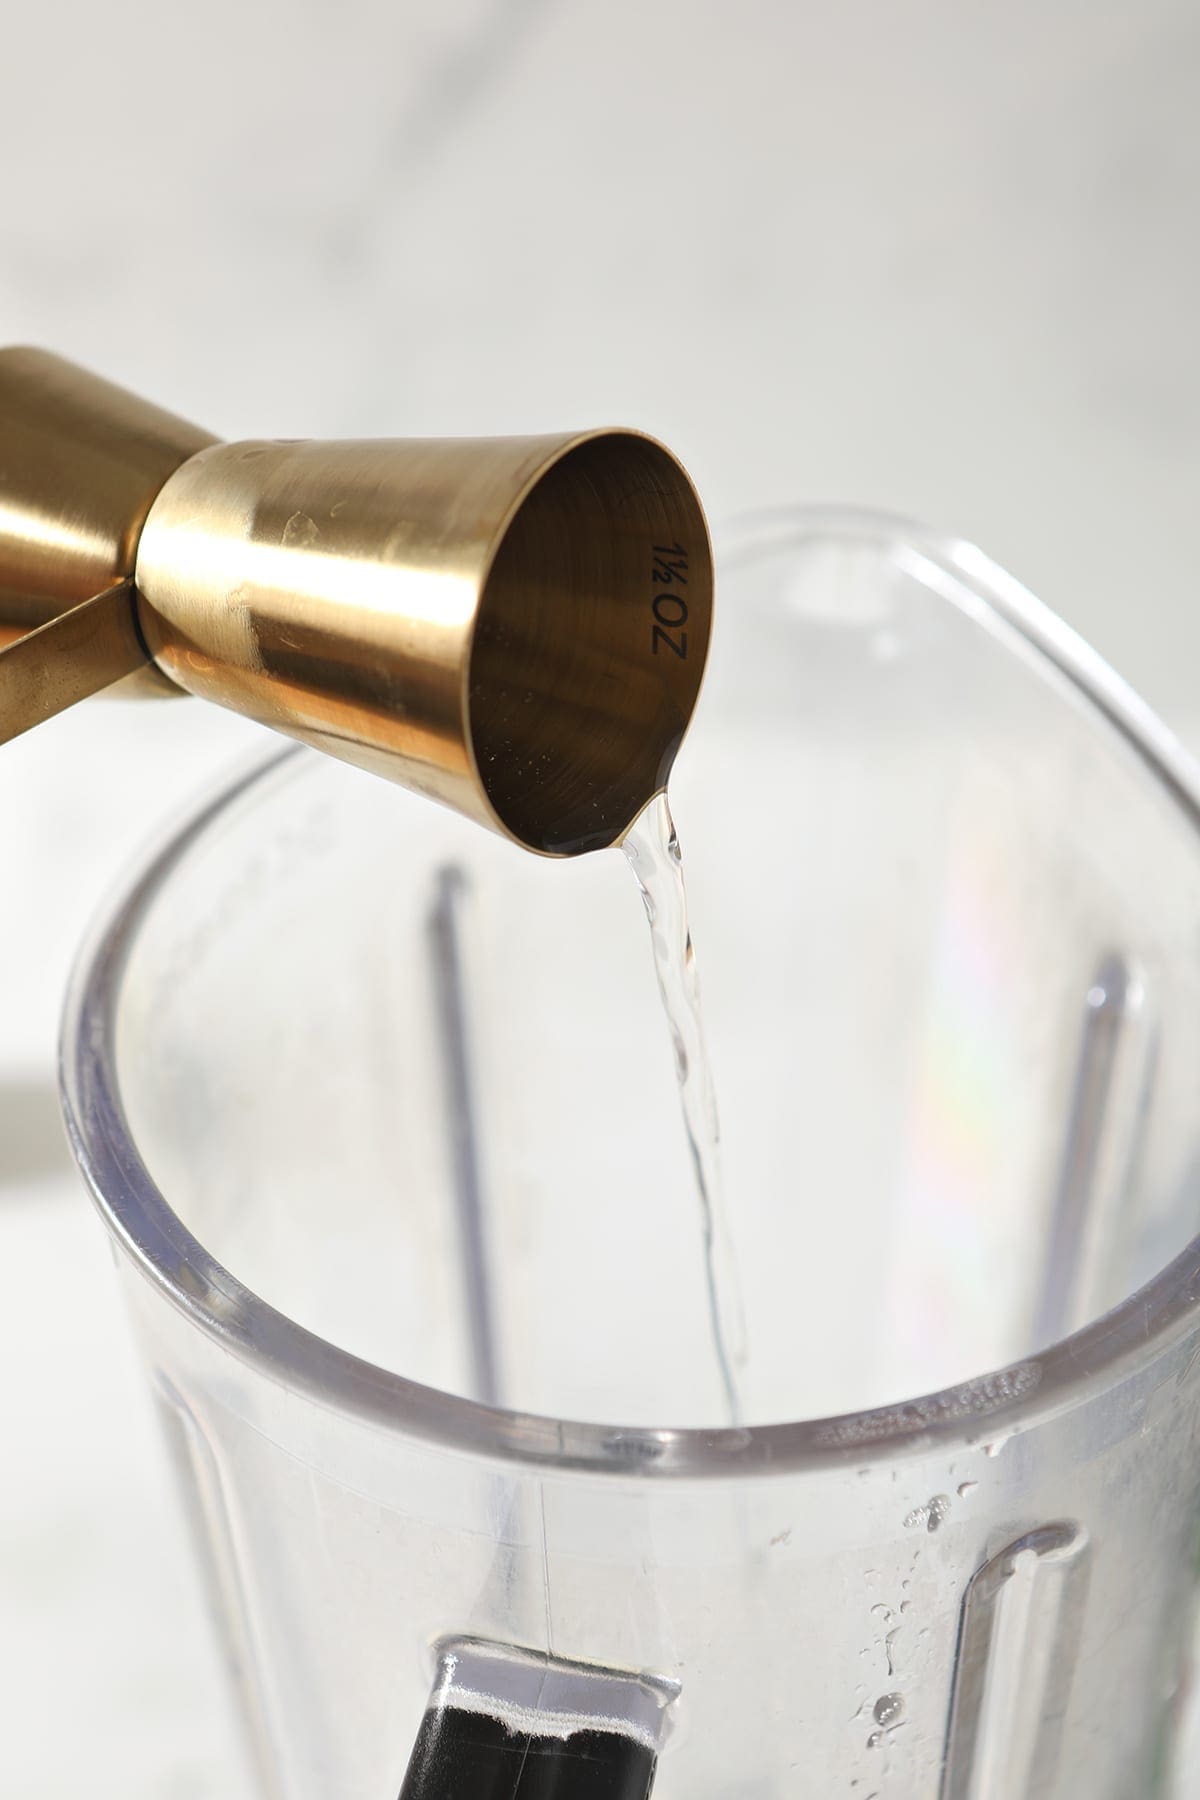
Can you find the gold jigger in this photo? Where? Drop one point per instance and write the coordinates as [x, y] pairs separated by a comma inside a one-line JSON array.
[[514, 626]]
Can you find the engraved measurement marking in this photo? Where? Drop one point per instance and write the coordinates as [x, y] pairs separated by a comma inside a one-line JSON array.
[[669, 573]]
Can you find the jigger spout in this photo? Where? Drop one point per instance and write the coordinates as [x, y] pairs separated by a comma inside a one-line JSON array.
[[514, 626]]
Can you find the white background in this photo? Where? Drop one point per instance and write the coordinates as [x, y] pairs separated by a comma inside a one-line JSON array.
[[934, 257]]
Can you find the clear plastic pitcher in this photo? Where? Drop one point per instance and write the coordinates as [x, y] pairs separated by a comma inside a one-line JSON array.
[[381, 1114]]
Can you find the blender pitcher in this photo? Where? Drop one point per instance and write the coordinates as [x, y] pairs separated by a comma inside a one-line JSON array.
[[381, 1115]]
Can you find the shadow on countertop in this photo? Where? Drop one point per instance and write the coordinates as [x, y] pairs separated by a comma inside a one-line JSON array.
[[33, 1142]]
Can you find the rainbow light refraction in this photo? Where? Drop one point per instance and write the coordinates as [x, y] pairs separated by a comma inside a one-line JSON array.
[[965, 1103]]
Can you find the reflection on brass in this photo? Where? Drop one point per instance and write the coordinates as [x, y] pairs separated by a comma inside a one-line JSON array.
[[515, 626], [80, 463], [69, 658]]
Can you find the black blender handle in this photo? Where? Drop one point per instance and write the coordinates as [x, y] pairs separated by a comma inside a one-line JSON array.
[[505, 1724]]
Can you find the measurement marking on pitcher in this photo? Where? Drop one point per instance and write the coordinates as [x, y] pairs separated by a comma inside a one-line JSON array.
[[651, 848], [669, 573]]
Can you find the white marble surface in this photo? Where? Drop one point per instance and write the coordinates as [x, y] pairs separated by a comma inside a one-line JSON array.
[[936, 258]]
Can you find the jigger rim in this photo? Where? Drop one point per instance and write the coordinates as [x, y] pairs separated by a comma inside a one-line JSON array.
[[988, 1408]]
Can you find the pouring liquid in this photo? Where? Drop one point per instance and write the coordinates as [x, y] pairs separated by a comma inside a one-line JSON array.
[[651, 847]]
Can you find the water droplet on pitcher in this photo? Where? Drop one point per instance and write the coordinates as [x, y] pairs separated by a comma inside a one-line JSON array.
[[874, 1741], [889, 1709], [930, 1515], [965, 1488]]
